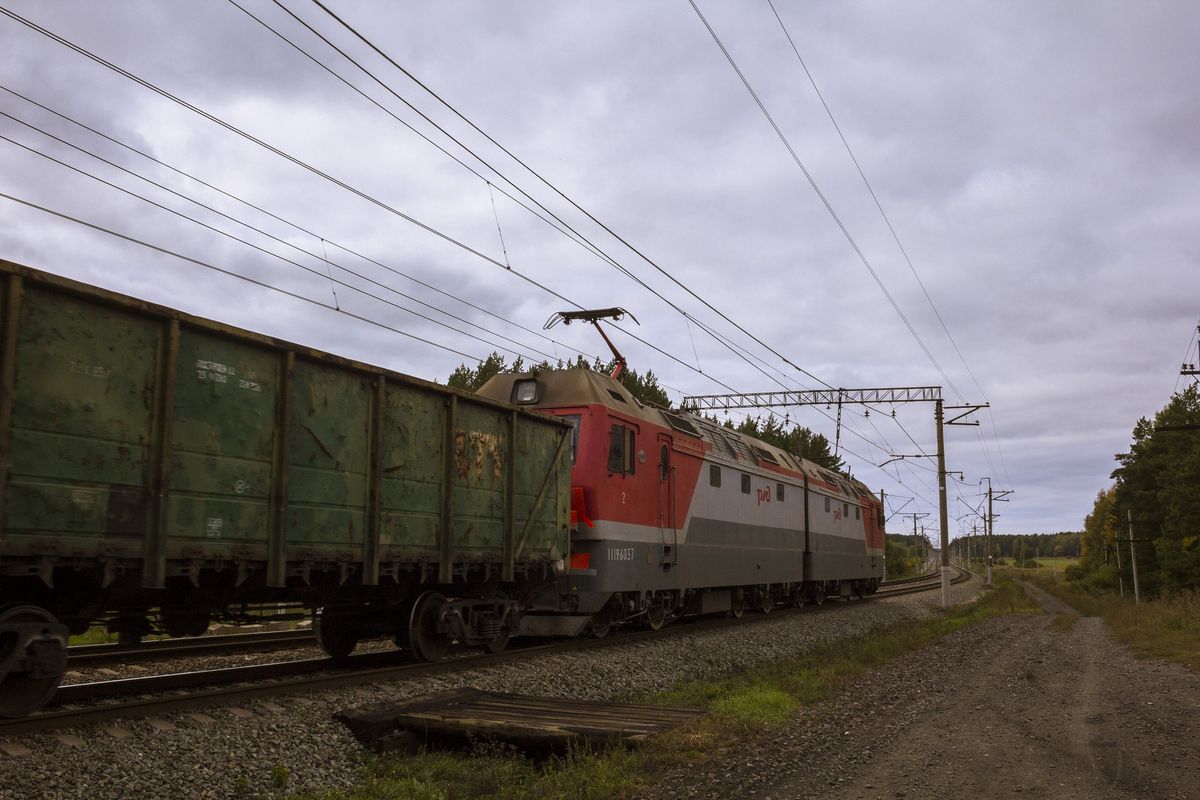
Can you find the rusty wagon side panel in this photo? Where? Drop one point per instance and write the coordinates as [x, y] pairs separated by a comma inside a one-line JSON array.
[[145, 448]]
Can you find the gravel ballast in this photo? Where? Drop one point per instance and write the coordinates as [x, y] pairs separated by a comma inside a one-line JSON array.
[[292, 743]]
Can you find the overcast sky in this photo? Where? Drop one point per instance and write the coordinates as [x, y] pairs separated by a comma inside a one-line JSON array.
[[1038, 161]]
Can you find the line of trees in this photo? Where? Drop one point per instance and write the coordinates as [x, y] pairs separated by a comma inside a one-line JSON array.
[[1157, 483], [906, 554], [1025, 548]]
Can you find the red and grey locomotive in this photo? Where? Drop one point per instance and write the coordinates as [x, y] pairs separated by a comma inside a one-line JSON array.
[[675, 514]]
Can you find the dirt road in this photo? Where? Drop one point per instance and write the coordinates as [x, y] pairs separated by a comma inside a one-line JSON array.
[[1016, 707]]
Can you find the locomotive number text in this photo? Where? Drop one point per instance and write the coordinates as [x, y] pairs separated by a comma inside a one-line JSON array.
[[620, 554]]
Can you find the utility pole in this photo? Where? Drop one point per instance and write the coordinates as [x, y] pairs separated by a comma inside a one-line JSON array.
[[969, 541], [990, 523], [1137, 598], [924, 551], [939, 419], [1120, 572], [987, 535], [882, 525], [1189, 370]]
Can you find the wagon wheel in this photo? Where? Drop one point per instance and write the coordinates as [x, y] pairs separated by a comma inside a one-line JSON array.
[[738, 606], [334, 634], [184, 620], [498, 644], [45, 655], [798, 598], [427, 642], [816, 593]]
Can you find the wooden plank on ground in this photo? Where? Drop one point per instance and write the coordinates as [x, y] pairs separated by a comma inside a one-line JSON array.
[[522, 720]]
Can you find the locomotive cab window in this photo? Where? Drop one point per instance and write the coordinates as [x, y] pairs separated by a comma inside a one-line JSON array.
[[622, 449], [714, 475], [856, 512], [745, 484], [826, 503], [779, 491], [845, 510]]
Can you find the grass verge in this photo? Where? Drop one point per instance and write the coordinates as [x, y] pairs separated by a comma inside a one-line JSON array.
[[741, 706], [1167, 628]]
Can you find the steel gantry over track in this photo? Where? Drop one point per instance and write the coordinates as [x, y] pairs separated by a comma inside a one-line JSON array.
[[828, 397]]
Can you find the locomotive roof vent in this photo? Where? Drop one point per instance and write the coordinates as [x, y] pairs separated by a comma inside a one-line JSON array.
[[526, 391]]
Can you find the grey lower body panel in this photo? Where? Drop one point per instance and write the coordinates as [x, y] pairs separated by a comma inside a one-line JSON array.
[[627, 566]]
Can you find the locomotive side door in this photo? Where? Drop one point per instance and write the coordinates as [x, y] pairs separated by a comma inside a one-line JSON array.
[[667, 524]]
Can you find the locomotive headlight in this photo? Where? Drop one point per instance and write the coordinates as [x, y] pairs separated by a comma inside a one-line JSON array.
[[525, 391]]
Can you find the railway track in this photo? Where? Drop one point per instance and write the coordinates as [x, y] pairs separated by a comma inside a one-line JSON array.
[[164, 694], [259, 641]]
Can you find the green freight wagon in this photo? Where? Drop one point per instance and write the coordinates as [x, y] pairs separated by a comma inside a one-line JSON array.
[[159, 470]]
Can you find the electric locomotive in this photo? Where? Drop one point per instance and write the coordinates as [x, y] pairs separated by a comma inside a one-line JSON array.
[[675, 514]]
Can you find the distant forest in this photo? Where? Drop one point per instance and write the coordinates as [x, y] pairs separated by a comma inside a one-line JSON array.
[[1156, 493], [905, 551]]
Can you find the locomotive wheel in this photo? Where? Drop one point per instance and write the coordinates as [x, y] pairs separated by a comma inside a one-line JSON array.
[[738, 608], [335, 636], [656, 616], [765, 602], [426, 641], [22, 693], [601, 623]]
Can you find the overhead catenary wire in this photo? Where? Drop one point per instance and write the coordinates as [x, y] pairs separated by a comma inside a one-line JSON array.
[[357, 34], [268, 235], [260, 249], [821, 196], [891, 229], [271, 148], [290, 223], [580, 238], [230, 273]]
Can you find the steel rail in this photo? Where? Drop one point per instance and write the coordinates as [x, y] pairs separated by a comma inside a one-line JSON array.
[[90, 654]]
